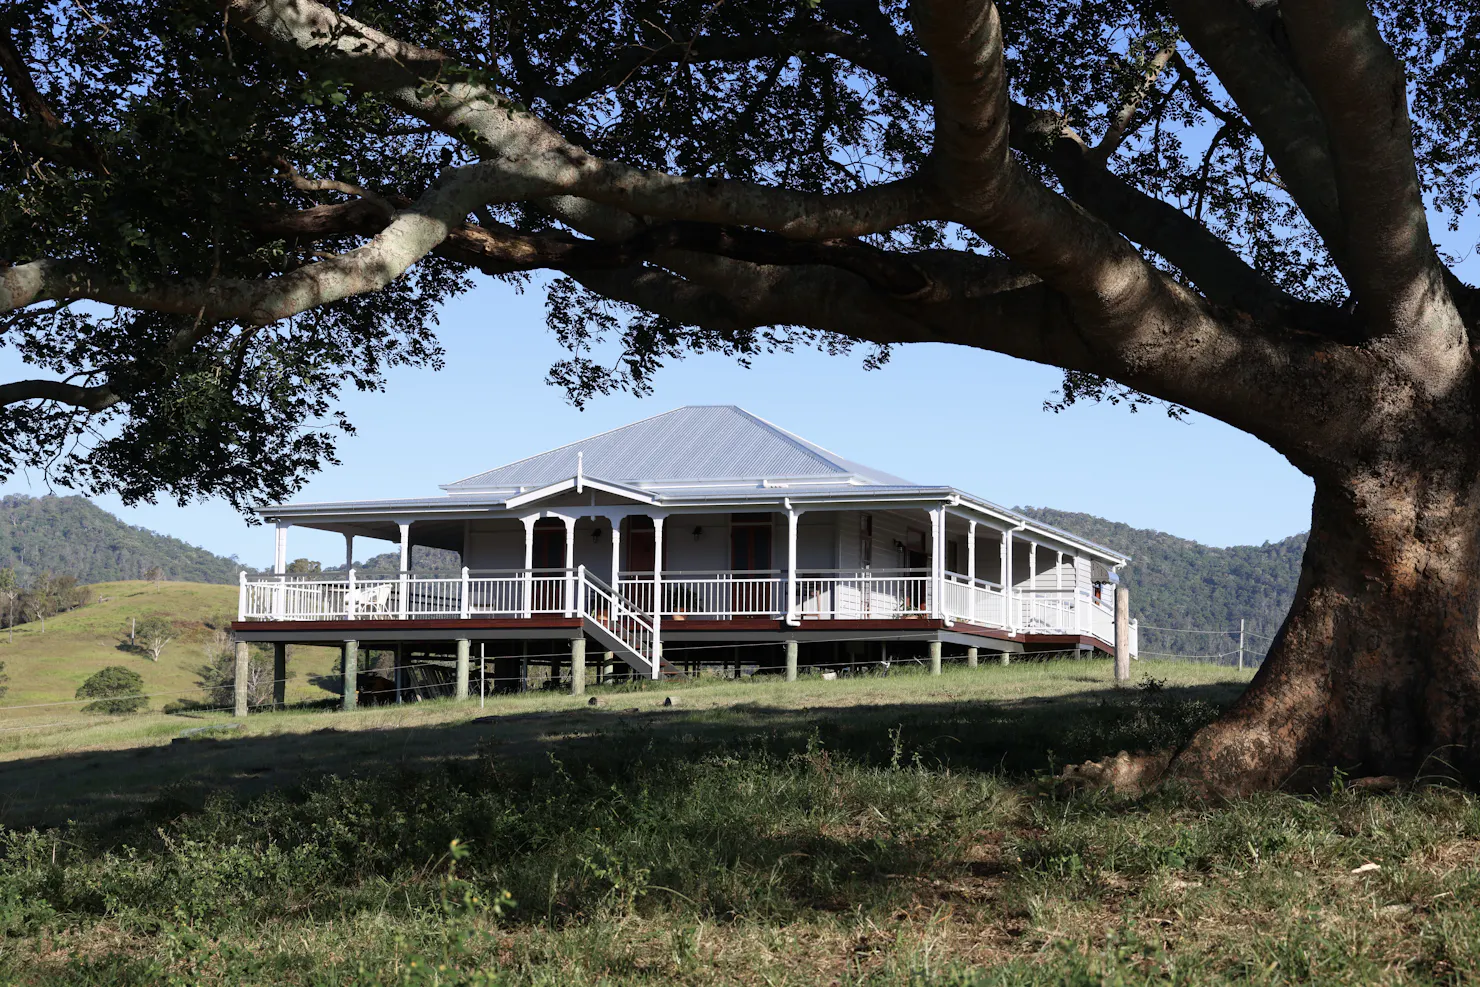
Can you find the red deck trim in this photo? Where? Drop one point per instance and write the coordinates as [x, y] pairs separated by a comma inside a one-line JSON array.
[[440, 624], [739, 624]]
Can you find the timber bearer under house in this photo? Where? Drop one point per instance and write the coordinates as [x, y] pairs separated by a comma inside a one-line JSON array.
[[701, 538]]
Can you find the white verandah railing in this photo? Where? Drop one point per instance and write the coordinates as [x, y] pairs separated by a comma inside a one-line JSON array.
[[829, 594], [839, 594], [709, 595]]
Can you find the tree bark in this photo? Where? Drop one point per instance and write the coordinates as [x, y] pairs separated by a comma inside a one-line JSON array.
[[1376, 670]]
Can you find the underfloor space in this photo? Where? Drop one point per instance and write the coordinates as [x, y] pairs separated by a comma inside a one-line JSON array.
[[413, 671]]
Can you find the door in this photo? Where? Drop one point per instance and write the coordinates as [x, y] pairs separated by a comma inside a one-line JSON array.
[[750, 551], [917, 560], [549, 554], [640, 542]]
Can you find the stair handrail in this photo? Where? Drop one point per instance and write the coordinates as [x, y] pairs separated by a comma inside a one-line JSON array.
[[632, 613]]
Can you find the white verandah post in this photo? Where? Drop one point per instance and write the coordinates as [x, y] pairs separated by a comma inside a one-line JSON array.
[[1058, 584], [349, 551], [792, 615], [937, 567], [1032, 579], [280, 568], [1082, 601], [570, 565], [616, 524], [528, 603], [1007, 616], [657, 597], [403, 580], [971, 571]]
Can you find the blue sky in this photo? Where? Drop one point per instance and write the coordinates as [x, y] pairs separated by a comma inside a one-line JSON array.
[[934, 414]]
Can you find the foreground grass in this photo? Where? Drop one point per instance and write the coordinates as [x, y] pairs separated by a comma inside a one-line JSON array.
[[873, 833]]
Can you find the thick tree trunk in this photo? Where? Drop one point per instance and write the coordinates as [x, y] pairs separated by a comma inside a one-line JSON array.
[[1377, 668]]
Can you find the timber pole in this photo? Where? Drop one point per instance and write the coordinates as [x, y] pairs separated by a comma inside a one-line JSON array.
[[934, 657], [578, 666], [791, 661], [1122, 633], [350, 676], [279, 675], [463, 647], [971, 657], [239, 685]]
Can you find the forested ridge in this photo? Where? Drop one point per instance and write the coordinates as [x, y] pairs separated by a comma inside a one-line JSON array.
[[73, 536], [1175, 582]]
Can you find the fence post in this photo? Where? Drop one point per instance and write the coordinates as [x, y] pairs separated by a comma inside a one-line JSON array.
[[243, 672], [1122, 633], [279, 675], [578, 662], [349, 676], [1241, 644], [461, 683]]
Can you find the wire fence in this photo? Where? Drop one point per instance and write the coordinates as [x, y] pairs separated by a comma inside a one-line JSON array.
[[1238, 647]]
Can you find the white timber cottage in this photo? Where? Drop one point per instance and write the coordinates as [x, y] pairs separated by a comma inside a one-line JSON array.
[[703, 536]]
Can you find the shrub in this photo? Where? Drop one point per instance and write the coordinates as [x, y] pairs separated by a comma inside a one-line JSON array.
[[116, 689]]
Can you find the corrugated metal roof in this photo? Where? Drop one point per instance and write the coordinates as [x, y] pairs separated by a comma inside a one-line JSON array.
[[698, 442]]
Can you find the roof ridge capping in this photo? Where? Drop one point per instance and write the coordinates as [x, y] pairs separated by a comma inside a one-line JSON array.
[[700, 443], [537, 455]]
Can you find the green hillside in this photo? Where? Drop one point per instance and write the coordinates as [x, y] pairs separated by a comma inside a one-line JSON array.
[[73, 536], [1179, 583], [429, 561], [47, 667]]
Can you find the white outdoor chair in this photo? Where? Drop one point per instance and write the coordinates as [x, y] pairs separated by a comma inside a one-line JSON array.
[[373, 599]]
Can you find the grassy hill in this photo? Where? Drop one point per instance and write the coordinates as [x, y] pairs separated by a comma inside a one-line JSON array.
[[48, 667], [74, 536], [1175, 582]]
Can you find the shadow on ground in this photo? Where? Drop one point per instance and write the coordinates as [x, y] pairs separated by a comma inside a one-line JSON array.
[[1015, 737]]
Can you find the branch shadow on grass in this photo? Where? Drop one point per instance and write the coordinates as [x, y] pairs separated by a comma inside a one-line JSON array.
[[1015, 738]]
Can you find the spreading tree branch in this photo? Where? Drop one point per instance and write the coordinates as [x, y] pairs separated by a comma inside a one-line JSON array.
[[529, 149], [1359, 86], [1259, 77], [92, 399], [1120, 124]]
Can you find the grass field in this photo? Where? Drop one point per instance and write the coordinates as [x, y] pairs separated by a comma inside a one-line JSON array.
[[46, 667], [900, 831]]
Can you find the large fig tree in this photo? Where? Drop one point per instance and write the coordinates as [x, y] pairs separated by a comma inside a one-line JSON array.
[[216, 214]]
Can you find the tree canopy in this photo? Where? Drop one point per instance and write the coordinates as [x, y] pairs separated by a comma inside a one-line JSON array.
[[277, 199], [218, 214]]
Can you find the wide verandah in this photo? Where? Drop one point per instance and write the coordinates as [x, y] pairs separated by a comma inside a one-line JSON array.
[[799, 564]]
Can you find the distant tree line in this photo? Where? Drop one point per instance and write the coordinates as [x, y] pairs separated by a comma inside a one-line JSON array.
[[45, 595]]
